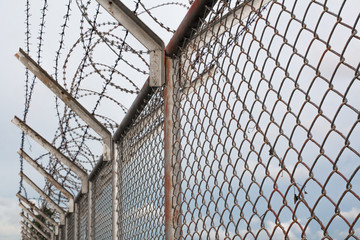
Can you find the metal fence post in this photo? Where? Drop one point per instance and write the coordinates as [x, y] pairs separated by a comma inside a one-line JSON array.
[[172, 189], [115, 190], [31, 233]]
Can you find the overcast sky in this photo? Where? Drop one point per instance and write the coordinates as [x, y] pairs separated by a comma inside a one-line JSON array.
[[11, 103]]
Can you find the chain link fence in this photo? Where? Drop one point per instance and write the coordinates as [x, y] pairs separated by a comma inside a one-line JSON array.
[[102, 202], [82, 211], [265, 133], [267, 123], [141, 175]]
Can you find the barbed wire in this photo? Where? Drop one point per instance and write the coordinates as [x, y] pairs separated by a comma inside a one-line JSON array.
[[75, 65]]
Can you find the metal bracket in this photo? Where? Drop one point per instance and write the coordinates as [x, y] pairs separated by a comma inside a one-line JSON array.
[[145, 36], [30, 232], [69, 196], [61, 157], [37, 219], [66, 97], [33, 206], [34, 226], [46, 197]]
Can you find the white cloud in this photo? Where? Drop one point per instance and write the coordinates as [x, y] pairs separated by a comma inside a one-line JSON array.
[[352, 214], [9, 218]]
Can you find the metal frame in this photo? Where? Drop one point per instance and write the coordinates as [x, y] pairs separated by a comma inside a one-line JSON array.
[[28, 230], [61, 157], [36, 219], [61, 93], [142, 33], [33, 206], [34, 226], [69, 196], [46, 197]]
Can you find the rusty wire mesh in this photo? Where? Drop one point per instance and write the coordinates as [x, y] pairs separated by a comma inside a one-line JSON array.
[[267, 116], [141, 175]]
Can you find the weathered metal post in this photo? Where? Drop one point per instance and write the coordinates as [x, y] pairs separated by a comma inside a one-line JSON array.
[[61, 157], [33, 206], [46, 197], [34, 226], [63, 190], [170, 215]]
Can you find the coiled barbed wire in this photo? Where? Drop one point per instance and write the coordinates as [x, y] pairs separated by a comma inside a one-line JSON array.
[[76, 65]]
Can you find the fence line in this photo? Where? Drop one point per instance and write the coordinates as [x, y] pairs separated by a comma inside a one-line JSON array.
[[255, 134]]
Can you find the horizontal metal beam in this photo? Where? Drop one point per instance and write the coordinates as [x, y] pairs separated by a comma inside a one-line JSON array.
[[36, 218], [34, 226], [62, 189], [46, 197], [61, 157], [66, 97], [34, 207], [142, 33]]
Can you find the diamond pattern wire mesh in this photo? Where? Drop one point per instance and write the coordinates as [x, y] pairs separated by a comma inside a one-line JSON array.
[[70, 225], [62, 232], [267, 116], [141, 175], [83, 217], [102, 202]]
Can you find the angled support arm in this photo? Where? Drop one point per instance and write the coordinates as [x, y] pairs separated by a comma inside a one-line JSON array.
[[36, 218], [46, 197], [34, 207], [142, 33], [34, 226], [63, 190], [66, 97], [31, 233], [56, 153]]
